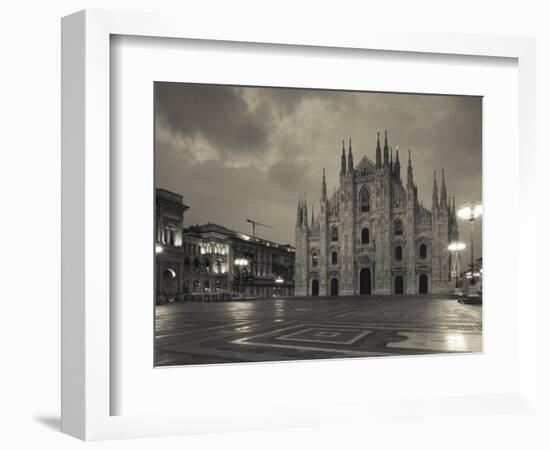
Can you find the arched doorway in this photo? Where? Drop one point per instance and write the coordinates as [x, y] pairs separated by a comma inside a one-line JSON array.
[[334, 286], [315, 288], [365, 285], [398, 288], [169, 282], [423, 284]]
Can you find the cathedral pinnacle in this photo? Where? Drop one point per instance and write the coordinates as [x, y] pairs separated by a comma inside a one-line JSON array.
[[397, 166], [443, 202], [324, 187], [343, 163], [435, 196], [410, 171], [378, 152], [350, 159], [386, 149]]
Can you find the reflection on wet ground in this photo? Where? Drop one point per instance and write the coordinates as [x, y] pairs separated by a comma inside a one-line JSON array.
[[313, 328]]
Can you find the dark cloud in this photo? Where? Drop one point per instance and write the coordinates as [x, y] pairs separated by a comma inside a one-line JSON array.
[[219, 113], [238, 152]]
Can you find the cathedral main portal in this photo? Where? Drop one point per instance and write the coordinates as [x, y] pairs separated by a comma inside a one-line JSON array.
[[365, 282]]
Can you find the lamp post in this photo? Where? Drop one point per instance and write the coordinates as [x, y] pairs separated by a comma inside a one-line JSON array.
[[470, 212], [456, 247]]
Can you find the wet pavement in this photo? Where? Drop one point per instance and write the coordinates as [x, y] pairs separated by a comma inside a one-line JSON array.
[[314, 328]]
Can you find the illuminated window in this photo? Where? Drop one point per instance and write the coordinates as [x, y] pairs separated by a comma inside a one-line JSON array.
[[365, 236], [398, 253]]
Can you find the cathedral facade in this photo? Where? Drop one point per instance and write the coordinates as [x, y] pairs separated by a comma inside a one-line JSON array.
[[372, 235]]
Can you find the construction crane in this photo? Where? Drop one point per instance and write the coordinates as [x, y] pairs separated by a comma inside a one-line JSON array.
[[254, 223]]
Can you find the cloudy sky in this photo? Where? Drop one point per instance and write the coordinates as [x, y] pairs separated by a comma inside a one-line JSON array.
[[240, 152]]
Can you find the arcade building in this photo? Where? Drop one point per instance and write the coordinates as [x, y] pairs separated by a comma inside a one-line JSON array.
[[212, 263]]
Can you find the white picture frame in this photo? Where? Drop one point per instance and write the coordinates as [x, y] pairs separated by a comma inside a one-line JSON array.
[[87, 355]]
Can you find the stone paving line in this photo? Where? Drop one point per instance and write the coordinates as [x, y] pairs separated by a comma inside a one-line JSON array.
[[286, 329]]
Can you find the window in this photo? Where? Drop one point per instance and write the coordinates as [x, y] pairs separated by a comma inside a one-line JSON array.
[[398, 227], [186, 264], [196, 265], [365, 200], [365, 236], [334, 258], [398, 253], [423, 251], [314, 259], [334, 234]]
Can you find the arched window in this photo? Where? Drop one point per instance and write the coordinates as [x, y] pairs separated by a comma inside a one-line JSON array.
[[423, 251], [334, 258], [186, 264], [196, 265], [365, 236], [398, 227], [334, 234], [398, 253], [365, 200], [314, 259]]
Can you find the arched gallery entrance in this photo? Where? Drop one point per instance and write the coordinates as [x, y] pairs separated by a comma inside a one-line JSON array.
[[398, 288], [334, 286], [365, 283], [169, 284], [315, 288], [423, 284]]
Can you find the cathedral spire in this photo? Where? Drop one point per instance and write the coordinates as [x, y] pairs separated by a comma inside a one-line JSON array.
[[443, 202], [435, 196], [324, 187], [343, 165], [378, 152], [386, 149], [410, 171], [454, 210], [350, 159], [397, 166], [305, 210], [391, 158], [299, 213], [312, 216]]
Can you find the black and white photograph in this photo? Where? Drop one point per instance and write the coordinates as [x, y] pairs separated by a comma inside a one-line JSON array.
[[301, 224]]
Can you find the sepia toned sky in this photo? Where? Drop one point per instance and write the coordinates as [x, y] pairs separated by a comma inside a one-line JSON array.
[[241, 152]]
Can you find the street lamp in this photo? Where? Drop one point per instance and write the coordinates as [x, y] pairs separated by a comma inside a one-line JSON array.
[[456, 247], [470, 212]]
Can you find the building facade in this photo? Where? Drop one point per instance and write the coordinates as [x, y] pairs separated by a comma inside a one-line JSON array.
[[373, 236], [210, 262]]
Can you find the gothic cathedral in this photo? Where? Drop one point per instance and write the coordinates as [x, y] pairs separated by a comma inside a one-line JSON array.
[[373, 236]]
